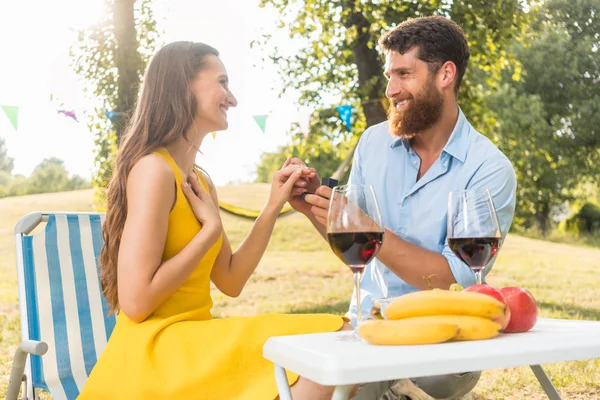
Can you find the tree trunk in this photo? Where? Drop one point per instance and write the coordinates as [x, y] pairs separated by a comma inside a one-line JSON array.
[[543, 218], [368, 62], [128, 62]]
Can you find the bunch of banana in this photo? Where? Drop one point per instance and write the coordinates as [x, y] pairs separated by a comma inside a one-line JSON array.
[[435, 316]]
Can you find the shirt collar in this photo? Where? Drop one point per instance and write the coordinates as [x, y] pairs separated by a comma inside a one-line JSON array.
[[457, 142]]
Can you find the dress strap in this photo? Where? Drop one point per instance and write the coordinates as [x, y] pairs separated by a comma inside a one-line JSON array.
[[164, 154]]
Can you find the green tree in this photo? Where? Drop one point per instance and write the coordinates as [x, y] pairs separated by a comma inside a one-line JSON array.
[[338, 55], [6, 166], [547, 122], [5, 180], [19, 185], [111, 58], [52, 176], [48, 176], [76, 182], [6, 162], [536, 153]]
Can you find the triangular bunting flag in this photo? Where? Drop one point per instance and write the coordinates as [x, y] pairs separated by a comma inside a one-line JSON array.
[[261, 120], [12, 112], [111, 115], [68, 113], [345, 113], [214, 135]]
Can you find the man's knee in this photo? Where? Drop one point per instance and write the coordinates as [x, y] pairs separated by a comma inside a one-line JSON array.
[[439, 387], [374, 390], [453, 386]]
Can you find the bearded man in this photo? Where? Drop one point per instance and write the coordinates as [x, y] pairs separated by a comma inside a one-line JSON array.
[[425, 150]]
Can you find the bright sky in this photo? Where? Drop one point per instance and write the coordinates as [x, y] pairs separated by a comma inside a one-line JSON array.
[[34, 62]]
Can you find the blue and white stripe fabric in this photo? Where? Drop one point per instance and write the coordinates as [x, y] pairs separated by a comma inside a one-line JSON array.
[[66, 308]]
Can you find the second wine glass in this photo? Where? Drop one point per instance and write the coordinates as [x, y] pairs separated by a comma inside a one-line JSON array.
[[354, 230], [473, 228]]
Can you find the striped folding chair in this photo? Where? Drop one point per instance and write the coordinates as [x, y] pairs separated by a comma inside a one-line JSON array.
[[65, 321]]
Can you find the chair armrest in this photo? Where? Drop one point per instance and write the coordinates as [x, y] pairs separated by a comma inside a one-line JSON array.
[[18, 366]]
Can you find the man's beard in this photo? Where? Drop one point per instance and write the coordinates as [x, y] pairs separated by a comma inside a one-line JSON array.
[[420, 113]]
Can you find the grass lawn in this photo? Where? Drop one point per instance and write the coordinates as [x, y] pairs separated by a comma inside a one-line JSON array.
[[300, 274]]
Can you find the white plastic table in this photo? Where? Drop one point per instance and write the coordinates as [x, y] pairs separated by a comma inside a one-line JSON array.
[[327, 360]]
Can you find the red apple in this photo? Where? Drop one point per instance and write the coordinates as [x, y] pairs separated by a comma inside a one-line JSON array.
[[497, 294], [523, 308]]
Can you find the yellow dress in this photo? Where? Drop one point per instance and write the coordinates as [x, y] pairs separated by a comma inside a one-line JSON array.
[[180, 351]]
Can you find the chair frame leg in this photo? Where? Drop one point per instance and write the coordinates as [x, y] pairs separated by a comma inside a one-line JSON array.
[[17, 373]]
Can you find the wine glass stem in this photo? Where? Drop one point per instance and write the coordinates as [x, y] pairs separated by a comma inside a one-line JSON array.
[[479, 277], [357, 276]]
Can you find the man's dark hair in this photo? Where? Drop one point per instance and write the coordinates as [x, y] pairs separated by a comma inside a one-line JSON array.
[[438, 39]]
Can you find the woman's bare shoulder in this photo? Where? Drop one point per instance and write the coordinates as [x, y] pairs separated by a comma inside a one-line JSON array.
[[149, 177]]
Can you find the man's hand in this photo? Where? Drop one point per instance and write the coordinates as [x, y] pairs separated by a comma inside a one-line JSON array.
[[358, 219], [319, 203]]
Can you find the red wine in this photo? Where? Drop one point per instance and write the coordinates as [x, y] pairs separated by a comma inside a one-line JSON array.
[[357, 269], [355, 249], [475, 252]]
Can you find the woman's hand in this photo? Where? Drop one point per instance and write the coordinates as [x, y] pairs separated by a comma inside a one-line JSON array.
[[309, 181], [205, 210], [282, 185]]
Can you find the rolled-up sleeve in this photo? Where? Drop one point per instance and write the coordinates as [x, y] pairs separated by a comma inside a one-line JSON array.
[[461, 271], [498, 175]]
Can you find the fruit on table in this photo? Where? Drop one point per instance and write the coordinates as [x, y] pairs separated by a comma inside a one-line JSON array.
[[376, 312], [444, 302], [435, 316], [469, 327], [456, 287], [406, 332], [523, 308], [497, 294]]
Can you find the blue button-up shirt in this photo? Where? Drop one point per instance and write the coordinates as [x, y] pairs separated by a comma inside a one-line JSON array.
[[416, 210]]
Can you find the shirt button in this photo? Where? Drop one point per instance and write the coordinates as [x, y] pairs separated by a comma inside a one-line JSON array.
[[403, 231], [409, 196], [414, 163]]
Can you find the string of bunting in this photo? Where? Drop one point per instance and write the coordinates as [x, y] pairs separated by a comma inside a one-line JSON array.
[[344, 112]]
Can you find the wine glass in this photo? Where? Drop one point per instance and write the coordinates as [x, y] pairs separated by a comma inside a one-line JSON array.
[[473, 228], [354, 230]]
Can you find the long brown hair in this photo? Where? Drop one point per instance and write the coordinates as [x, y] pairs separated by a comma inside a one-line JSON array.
[[164, 112]]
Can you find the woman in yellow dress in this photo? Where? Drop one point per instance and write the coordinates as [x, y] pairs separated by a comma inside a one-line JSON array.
[[164, 243]]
